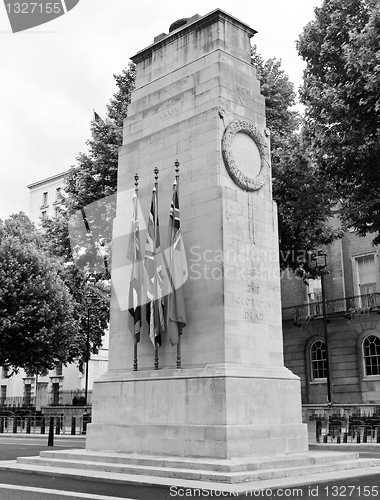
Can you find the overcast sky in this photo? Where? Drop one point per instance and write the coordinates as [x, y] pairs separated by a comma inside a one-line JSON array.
[[54, 75]]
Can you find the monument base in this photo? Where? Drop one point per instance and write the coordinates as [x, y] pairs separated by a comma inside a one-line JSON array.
[[217, 411]]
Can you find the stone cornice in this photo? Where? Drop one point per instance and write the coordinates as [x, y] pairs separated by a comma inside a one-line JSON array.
[[208, 19]]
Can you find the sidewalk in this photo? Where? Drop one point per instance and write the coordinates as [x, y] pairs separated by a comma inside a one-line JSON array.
[[23, 435]]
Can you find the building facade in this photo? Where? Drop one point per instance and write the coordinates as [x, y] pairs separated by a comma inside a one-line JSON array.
[[45, 198], [351, 329]]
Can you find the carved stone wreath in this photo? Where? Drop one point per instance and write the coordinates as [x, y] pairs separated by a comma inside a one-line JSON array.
[[243, 181]]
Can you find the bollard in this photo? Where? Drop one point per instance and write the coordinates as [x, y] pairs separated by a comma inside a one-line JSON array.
[[86, 420], [338, 439], [318, 430], [73, 426], [378, 434], [57, 426], [1, 425], [14, 425], [42, 425], [345, 435], [358, 436], [51, 432], [365, 434], [28, 425]]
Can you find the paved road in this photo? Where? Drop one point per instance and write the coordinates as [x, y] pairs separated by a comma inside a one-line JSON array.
[[22, 486]]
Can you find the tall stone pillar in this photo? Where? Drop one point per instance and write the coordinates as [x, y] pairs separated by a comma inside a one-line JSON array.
[[198, 100]]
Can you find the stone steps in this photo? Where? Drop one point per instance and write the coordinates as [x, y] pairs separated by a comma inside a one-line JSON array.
[[234, 471], [228, 465]]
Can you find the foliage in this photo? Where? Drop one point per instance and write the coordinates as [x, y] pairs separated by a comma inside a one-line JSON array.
[[37, 314], [279, 95], [90, 187], [83, 230], [304, 201], [76, 280], [341, 92], [95, 176]]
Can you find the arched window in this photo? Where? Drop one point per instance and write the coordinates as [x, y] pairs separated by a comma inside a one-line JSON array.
[[371, 355], [318, 360]]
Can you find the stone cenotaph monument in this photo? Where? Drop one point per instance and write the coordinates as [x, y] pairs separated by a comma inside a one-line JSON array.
[[197, 100]]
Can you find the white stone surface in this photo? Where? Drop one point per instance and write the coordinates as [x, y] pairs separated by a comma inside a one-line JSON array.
[[233, 397]]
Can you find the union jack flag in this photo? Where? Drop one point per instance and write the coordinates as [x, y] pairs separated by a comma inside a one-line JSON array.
[[177, 271], [137, 275], [155, 272]]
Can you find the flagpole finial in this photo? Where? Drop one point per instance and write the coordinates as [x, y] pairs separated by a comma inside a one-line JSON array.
[[136, 177], [176, 164], [156, 172]]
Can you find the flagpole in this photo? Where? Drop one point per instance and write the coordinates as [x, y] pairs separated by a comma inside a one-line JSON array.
[[179, 362], [135, 359], [155, 305]]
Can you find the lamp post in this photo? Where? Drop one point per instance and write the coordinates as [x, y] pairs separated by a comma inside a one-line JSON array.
[[89, 298], [321, 262]]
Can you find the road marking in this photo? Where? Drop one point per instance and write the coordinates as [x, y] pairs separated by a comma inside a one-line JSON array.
[[72, 494]]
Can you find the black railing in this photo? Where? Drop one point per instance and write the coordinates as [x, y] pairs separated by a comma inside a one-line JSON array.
[[17, 402], [344, 423], [33, 424], [350, 307], [69, 398]]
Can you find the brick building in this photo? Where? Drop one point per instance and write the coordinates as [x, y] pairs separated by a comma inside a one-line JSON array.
[[352, 326]]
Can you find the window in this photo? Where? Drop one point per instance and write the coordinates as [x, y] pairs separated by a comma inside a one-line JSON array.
[[58, 369], [44, 215], [58, 194], [371, 355], [55, 391], [314, 297], [314, 290], [3, 394], [45, 198], [27, 395], [318, 360], [57, 211], [366, 274]]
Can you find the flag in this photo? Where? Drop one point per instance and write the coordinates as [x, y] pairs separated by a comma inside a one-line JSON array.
[[155, 273], [96, 117], [136, 281], [177, 271]]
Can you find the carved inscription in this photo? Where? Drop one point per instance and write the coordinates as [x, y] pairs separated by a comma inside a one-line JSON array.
[[168, 112], [243, 90], [257, 305]]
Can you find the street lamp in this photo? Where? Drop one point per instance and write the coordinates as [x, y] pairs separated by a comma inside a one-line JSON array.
[[89, 299], [321, 263]]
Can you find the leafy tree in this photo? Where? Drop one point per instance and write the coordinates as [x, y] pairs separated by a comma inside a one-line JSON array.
[[304, 201], [38, 323], [95, 176], [341, 90], [76, 279], [90, 201], [83, 230]]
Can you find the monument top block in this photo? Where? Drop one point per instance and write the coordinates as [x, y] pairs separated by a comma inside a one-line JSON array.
[[194, 23]]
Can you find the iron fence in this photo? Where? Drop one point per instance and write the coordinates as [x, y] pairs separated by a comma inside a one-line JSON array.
[[349, 307], [17, 402], [68, 398], [345, 423], [37, 424]]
